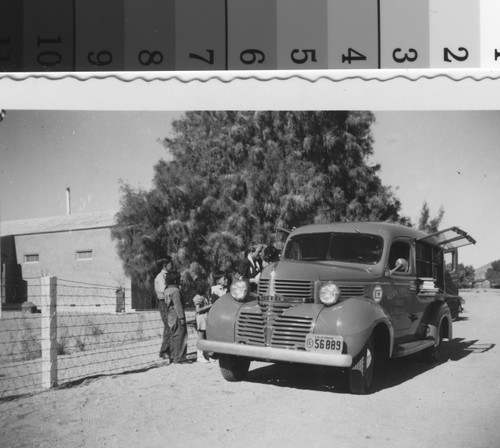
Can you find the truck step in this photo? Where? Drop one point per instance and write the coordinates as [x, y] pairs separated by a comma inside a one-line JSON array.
[[408, 348]]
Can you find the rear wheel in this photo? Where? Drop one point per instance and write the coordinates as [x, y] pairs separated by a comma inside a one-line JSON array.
[[361, 373], [233, 368], [432, 354]]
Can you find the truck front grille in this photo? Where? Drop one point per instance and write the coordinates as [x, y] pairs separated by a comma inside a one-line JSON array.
[[351, 290], [270, 328], [250, 328], [303, 290], [290, 332], [289, 289], [268, 324]]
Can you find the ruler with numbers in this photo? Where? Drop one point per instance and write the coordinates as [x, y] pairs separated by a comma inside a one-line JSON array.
[[178, 35]]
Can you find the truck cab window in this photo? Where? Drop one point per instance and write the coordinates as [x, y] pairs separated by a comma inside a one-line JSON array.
[[400, 249]]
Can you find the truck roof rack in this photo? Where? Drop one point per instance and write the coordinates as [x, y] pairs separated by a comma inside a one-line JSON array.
[[451, 238]]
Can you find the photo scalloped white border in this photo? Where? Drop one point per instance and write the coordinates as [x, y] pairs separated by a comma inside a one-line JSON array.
[[381, 89]]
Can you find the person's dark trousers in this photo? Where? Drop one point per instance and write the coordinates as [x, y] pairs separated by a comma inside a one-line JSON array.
[[165, 350], [178, 338]]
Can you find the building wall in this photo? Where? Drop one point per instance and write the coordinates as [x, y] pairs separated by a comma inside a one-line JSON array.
[[57, 253], [482, 283]]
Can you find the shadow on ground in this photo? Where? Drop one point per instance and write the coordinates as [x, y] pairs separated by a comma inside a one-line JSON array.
[[389, 374]]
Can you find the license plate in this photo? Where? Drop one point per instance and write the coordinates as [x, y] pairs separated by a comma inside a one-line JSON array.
[[324, 343]]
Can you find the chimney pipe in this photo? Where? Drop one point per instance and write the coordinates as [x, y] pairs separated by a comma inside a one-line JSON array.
[[68, 202]]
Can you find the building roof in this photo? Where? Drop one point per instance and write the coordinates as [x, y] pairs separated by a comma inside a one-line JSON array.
[[58, 223]]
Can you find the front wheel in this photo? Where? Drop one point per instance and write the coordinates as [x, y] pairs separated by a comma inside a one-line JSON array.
[[233, 368], [361, 373]]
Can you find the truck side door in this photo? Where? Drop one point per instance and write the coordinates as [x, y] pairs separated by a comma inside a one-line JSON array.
[[401, 290]]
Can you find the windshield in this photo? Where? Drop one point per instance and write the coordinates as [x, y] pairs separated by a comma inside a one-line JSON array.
[[345, 247]]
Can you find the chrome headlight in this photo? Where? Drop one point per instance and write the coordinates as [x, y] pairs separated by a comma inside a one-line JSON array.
[[239, 290], [329, 294]]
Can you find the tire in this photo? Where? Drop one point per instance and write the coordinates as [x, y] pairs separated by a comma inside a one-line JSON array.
[[233, 368], [432, 354], [361, 373]]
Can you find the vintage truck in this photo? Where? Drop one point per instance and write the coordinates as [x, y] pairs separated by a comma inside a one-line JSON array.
[[343, 295]]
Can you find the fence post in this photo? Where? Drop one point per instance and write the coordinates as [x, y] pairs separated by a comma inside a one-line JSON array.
[[49, 331]]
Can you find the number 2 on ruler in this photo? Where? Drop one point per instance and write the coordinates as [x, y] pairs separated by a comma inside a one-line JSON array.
[[448, 55]]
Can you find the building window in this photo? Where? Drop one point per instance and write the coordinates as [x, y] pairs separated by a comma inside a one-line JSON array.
[[32, 258], [84, 255]]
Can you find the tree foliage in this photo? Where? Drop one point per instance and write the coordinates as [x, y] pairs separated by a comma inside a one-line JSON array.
[[493, 273], [235, 177], [428, 224], [466, 276]]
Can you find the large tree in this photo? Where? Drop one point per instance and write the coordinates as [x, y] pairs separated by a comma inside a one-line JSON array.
[[235, 177]]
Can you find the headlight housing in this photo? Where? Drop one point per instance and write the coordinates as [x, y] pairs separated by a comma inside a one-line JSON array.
[[329, 294], [240, 290]]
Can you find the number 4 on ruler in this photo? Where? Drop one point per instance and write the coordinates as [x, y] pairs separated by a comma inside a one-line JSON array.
[[352, 55]]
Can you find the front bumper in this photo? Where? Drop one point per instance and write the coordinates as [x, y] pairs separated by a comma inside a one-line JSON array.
[[275, 354]]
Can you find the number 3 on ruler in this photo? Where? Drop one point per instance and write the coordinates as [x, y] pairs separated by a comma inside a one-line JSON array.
[[406, 57]]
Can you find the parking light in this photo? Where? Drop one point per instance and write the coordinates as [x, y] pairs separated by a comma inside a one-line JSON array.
[[377, 293]]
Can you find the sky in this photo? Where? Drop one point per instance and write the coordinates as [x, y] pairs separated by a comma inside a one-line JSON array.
[[448, 159]]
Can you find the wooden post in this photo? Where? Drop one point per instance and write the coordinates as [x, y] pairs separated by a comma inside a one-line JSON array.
[[49, 332]]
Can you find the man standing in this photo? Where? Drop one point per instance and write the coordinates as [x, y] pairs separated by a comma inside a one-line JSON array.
[[176, 318], [160, 286], [251, 267]]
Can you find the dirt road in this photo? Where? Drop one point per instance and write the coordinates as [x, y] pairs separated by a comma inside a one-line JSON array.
[[453, 404]]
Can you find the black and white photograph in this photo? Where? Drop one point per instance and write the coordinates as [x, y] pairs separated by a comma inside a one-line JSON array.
[[249, 277], [234, 223]]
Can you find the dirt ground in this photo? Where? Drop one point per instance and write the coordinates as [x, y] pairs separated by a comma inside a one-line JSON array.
[[453, 404]]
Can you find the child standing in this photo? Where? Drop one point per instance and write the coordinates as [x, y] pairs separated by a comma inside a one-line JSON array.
[[202, 305], [220, 288]]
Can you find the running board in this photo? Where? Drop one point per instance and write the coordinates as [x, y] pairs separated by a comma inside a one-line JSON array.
[[409, 348]]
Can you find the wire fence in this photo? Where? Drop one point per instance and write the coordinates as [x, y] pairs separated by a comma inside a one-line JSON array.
[[76, 333]]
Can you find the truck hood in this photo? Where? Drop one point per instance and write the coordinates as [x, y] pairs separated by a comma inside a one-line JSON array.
[[322, 270]]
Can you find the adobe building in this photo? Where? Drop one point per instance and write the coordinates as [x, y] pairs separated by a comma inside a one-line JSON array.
[[77, 249]]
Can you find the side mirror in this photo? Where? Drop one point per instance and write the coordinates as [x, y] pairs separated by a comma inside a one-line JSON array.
[[401, 265]]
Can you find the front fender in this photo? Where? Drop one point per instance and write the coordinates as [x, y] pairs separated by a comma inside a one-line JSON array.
[[355, 319], [221, 319]]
